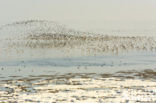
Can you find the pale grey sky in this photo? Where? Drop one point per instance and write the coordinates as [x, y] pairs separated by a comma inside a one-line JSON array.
[[80, 13]]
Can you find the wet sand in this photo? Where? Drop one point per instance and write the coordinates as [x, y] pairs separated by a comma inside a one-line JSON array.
[[81, 88]]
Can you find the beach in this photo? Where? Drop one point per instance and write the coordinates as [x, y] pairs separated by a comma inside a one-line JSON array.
[[45, 63]]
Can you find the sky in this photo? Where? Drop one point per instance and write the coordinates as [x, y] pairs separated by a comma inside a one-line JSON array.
[[81, 13]]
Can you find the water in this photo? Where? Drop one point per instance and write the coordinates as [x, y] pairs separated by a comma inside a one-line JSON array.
[[86, 64]]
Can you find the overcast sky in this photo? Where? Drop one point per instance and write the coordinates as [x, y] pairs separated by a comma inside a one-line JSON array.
[[79, 12]]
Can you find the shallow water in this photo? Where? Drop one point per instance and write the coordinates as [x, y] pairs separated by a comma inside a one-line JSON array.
[[86, 64]]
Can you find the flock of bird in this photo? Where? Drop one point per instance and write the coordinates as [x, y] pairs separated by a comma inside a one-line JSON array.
[[51, 35]]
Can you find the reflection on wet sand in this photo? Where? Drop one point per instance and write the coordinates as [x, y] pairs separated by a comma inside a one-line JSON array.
[[123, 86]]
